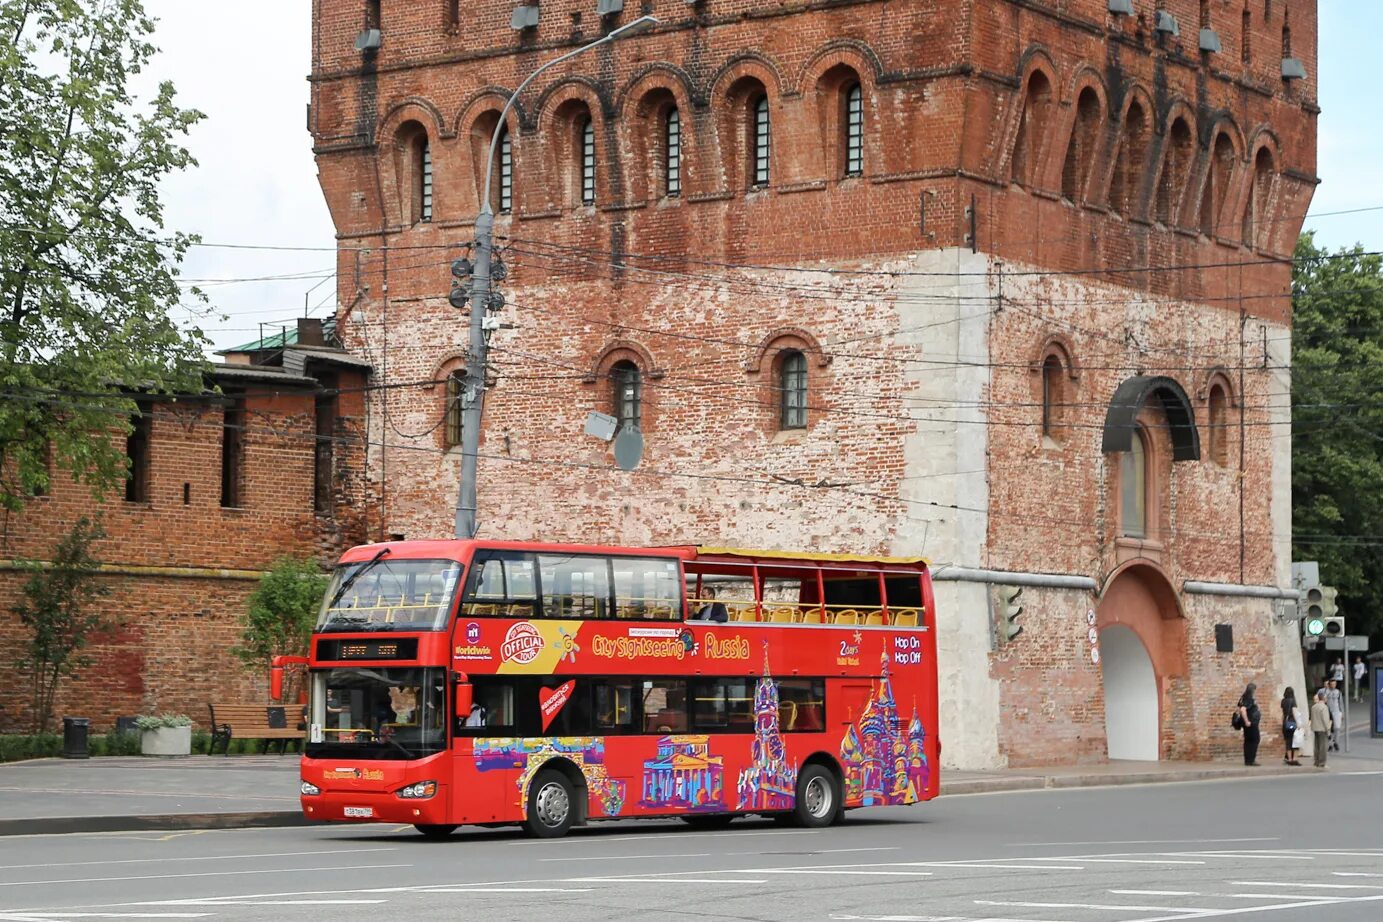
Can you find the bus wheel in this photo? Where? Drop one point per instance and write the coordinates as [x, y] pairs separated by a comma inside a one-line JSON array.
[[435, 830], [708, 820], [551, 805], [818, 797]]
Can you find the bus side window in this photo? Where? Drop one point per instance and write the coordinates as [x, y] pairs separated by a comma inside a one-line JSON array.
[[664, 706], [614, 706], [492, 710]]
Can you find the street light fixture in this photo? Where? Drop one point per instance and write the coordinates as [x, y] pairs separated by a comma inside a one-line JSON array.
[[473, 397]]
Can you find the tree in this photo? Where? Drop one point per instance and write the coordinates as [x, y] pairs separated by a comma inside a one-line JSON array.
[[282, 611], [1337, 425], [57, 613], [86, 280]]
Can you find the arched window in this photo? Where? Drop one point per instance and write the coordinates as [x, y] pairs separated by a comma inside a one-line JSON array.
[[425, 180], [1032, 128], [413, 166], [672, 153], [1256, 212], [1133, 488], [1217, 184], [1080, 153], [792, 379], [854, 131], [1053, 396], [1176, 172], [1246, 37], [587, 137], [456, 387], [627, 393], [1128, 171], [760, 132], [1286, 40], [504, 181], [1217, 413]]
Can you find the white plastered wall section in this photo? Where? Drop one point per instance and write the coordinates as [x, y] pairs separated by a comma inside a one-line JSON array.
[[944, 317], [1279, 400]]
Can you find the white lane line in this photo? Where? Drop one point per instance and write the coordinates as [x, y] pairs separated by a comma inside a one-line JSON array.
[[832, 871], [1217, 913], [1188, 910], [738, 834], [660, 880], [73, 864], [1147, 842], [625, 857], [92, 880], [514, 890], [1289, 897], [302, 902], [49, 916], [1122, 860], [1293, 885], [1354, 874], [1155, 892], [1002, 867], [1356, 774], [1275, 856]]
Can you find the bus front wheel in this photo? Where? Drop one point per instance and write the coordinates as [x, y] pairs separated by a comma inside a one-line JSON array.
[[435, 830], [818, 798], [551, 805]]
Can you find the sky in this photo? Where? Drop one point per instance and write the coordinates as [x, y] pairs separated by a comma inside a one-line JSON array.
[[245, 65]]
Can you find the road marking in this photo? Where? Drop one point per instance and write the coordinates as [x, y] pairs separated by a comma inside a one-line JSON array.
[[1189, 910], [1123, 860], [1155, 892], [1147, 842], [1356, 774], [1278, 883], [625, 857], [841, 871], [688, 834], [1003, 867], [92, 880], [1354, 874], [73, 864], [1216, 913], [661, 880], [51, 915], [301, 902], [514, 890], [1275, 856]]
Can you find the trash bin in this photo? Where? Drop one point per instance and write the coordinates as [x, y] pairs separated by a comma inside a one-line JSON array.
[[74, 733]]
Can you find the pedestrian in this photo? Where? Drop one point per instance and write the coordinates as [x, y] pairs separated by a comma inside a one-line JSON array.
[[1337, 671], [1250, 715], [1320, 728], [1292, 732], [1335, 703], [1360, 670]]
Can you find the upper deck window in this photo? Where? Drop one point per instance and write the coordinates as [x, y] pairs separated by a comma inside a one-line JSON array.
[[390, 595], [510, 584]]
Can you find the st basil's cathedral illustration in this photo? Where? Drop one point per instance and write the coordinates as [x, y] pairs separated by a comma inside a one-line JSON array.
[[883, 765], [770, 782]]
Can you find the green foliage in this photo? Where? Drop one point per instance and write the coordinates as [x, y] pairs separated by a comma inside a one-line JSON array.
[[1337, 425], [158, 721], [112, 743], [87, 276], [282, 610], [16, 746], [56, 612]]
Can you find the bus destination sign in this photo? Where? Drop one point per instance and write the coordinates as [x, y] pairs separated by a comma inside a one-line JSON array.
[[406, 648]]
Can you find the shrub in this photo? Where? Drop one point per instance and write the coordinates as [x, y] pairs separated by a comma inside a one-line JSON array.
[[158, 721], [16, 746]]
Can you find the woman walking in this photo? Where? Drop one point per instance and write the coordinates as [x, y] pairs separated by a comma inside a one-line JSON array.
[[1293, 734], [1250, 714]]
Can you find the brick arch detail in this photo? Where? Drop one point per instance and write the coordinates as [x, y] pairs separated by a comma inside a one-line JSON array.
[[1221, 376], [657, 76], [619, 349], [636, 130], [854, 54], [1084, 78], [576, 86], [1059, 344], [412, 108], [444, 368], [799, 338], [1034, 60], [751, 64], [1140, 596], [490, 99], [557, 173], [1133, 92]]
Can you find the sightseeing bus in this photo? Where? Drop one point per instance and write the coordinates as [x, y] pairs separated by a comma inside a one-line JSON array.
[[551, 685]]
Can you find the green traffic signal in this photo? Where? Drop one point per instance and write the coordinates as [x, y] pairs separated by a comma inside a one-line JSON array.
[[1315, 626]]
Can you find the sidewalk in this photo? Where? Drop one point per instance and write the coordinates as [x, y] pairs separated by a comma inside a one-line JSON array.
[[46, 796]]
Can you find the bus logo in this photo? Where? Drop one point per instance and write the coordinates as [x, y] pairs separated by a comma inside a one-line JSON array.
[[473, 633], [522, 644]]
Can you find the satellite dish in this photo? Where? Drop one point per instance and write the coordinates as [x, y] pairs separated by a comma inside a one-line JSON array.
[[628, 448]]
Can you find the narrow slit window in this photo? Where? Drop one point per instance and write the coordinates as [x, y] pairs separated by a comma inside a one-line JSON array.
[[762, 143], [794, 386], [425, 196], [854, 131], [456, 382], [672, 152], [137, 450], [232, 455], [587, 162], [506, 172], [1133, 486], [628, 394]]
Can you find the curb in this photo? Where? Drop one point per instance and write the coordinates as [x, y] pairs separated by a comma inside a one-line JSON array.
[[157, 822], [1067, 782]]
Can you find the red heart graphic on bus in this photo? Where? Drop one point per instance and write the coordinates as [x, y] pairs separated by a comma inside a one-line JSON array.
[[552, 700]]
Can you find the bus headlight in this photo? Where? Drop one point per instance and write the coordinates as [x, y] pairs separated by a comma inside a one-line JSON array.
[[309, 789], [420, 791]]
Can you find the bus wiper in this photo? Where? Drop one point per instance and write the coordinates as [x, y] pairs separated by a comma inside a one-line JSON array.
[[349, 581]]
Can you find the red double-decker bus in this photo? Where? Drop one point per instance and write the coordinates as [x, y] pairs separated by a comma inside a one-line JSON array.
[[482, 682]]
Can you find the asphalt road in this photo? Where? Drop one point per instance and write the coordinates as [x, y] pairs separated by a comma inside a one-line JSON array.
[[1280, 849]]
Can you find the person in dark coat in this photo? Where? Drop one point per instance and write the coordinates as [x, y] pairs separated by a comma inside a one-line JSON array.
[[1250, 714], [1291, 726]]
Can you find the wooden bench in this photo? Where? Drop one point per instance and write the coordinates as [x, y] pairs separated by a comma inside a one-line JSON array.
[[254, 722]]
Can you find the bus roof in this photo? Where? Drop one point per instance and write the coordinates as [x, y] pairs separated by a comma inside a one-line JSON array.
[[455, 549]]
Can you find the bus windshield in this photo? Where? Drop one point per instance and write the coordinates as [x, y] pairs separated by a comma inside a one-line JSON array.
[[390, 595], [374, 713]]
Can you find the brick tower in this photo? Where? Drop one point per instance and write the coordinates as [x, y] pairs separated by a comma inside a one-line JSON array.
[[1001, 282]]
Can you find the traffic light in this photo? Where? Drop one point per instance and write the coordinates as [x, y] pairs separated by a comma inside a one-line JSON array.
[[1318, 602], [1334, 626], [1010, 609]]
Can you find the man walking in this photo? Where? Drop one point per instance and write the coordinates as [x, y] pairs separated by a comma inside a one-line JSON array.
[[1335, 704], [1360, 670], [1320, 727]]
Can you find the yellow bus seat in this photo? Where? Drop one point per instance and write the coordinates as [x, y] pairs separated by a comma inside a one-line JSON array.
[[782, 615], [848, 616], [875, 617], [905, 617], [811, 616]]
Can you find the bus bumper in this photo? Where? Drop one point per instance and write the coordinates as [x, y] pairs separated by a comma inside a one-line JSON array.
[[373, 807]]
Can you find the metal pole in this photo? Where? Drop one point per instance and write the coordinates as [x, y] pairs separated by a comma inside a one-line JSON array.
[[477, 357], [1344, 693]]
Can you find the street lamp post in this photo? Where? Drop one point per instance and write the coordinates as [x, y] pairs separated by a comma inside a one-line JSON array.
[[473, 396]]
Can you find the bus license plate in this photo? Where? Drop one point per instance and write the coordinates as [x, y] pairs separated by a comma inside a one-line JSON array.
[[360, 811]]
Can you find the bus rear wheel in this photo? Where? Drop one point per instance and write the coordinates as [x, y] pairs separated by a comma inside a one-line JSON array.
[[551, 806], [435, 830], [818, 798], [708, 820]]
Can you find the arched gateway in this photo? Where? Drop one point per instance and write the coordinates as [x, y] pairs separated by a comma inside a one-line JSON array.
[[1142, 655]]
